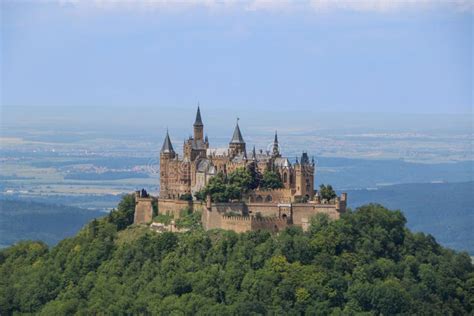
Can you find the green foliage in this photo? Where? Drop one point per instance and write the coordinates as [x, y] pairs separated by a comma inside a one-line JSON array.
[[163, 218], [301, 199], [186, 197], [367, 262], [271, 180], [255, 175], [123, 215], [326, 192], [190, 220], [224, 189]]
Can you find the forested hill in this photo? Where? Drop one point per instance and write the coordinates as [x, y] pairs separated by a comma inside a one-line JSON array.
[[367, 261]]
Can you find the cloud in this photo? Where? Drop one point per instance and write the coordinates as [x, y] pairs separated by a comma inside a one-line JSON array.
[[317, 6]]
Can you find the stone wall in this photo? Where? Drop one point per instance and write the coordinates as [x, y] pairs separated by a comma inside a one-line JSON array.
[[283, 195], [143, 210], [174, 207]]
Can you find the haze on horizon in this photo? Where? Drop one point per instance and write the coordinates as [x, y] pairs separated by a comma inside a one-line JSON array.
[[90, 63]]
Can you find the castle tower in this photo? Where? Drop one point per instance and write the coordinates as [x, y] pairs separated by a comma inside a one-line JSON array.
[[276, 148], [167, 154], [304, 174], [237, 143], [198, 126]]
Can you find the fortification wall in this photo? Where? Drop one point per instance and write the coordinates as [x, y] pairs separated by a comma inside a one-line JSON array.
[[273, 224], [265, 209], [303, 212], [174, 207], [143, 210], [283, 195], [239, 224], [236, 207]]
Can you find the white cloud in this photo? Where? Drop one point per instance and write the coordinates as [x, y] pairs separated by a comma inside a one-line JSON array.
[[275, 5]]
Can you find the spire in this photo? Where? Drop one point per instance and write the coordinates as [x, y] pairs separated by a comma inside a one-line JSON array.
[[198, 121], [206, 139], [167, 146], [254, 154], [276, 151], [237, 137]]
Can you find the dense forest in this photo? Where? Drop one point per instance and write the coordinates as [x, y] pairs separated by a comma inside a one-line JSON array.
[[366, 262]]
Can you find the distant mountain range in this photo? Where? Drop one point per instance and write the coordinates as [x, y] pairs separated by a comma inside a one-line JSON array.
[[27, 220], [445, 210]]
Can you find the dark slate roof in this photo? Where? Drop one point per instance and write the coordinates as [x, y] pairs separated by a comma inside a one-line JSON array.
[[198, 121], [167, 146], [237, 137], [254, 154], [304, 158]]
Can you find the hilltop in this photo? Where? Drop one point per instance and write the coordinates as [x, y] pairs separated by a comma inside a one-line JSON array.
[[367, 261]]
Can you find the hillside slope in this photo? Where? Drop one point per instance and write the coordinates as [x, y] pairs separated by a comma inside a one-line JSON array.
[[365, 262]]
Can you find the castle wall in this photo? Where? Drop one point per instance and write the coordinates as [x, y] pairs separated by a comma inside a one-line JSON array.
[[174, 207], [242, 224], [303, 212], [283, 195], [272, 224], [239, 224], [143, 210]]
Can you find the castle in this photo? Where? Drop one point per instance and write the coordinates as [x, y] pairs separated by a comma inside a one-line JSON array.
[[182, 177]]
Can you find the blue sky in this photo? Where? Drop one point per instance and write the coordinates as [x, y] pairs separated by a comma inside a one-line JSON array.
[[364, 56]]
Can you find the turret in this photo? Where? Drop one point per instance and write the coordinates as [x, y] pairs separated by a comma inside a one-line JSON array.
[[167, 154], [198, 126], [237, 143], [304, 176], [167, 150]]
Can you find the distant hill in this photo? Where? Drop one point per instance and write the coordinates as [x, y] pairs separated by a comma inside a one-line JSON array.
[[346, 173], [23, 220], [445, 210]]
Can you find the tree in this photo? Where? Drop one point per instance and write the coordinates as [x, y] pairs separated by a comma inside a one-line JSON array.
[[186, 197], [366, 263], [271, 180], [255, 174], [123, 215], [327, 192]]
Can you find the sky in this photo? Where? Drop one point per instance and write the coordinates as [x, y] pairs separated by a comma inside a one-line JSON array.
[[235, 57]]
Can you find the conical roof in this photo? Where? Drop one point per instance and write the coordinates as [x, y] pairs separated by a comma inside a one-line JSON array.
[[167, 146], [198, 121], [237, 137]]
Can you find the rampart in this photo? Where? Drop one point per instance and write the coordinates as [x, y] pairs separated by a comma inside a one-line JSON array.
[[244, 216], [174, 207], [143, 208]]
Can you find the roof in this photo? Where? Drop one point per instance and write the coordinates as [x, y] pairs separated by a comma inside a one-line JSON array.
[[206, 166], [240, 157], [304, 158], [167, 146], [217, 151], [198, 121], [282, 162], [237, 137]]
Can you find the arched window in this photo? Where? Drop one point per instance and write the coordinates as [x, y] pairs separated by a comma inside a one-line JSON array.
[[268, 198], [291, 179], [259, 198], [285, 177]]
